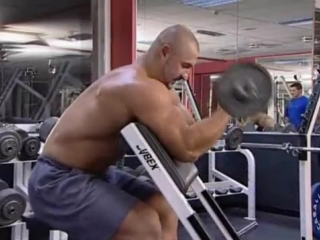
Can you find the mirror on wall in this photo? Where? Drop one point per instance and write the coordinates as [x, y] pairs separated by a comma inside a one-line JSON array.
[[275, 33], [44, 60]]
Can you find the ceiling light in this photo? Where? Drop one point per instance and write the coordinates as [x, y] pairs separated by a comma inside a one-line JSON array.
[[15, 37], [207, 3]]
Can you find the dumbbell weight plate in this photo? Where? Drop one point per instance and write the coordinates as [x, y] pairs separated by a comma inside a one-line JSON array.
[[233, 138], [3, 185], [10, 144], [12, 206], [244, 89], [46, 127], [30, 148], [22, 133]]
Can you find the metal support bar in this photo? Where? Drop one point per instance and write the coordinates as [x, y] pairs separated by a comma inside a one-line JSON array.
[[191, 98], [6, 92], [28, 88], [53, 90], [283, 80]]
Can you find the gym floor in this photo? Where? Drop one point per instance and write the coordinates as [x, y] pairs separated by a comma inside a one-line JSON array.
[[270, 226]]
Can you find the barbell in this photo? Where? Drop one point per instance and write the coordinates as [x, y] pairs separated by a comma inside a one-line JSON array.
[[288, 147], [244, 89]]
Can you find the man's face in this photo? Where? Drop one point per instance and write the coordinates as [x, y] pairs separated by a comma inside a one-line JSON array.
[[177, 64], [295, 92]]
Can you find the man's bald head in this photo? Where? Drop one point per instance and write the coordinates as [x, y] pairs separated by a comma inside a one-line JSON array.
[[178, 37], [175, 50]]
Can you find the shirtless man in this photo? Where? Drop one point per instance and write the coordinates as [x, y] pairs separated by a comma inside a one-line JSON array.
[[75, 189], [262, 120]]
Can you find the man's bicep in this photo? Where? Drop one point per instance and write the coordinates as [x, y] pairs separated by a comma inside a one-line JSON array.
[[168, 123]]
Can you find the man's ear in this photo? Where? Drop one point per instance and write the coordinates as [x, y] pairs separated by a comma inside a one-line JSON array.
[[165, 51]]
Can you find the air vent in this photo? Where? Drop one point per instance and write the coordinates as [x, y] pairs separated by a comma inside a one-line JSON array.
[[145, 42], [269, 45], [249, 29], [223, 51], [210, 33], [79, 37], [306, 39], [234, 52], [297, 22], [207, 3]]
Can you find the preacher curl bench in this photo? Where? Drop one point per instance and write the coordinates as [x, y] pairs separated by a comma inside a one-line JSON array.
[[173, 179]]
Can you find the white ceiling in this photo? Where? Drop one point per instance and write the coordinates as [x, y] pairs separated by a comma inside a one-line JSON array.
[[248, 22], [251, 22]]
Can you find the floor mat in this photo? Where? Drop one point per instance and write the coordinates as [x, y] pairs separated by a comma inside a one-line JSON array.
[[270, 226]]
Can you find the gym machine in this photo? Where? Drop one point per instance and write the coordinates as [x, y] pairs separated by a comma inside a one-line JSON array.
[[227, 186], [309, 210], [174, 179]]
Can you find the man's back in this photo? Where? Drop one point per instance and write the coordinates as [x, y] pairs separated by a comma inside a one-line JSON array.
[[87, 135]]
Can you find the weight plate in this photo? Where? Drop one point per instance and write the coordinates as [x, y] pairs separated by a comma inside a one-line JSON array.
[[23, 134], [30, 148], [233, 138], [235, 189], [316, 209], [221, 191], [244, 89], [46, 127], [3, 185], [10, 144], [12, 206]]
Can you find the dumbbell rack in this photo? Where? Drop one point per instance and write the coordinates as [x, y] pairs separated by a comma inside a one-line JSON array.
[[21, 174], [228, 183]]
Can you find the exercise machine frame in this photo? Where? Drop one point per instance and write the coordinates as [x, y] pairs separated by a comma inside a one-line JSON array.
[[228, 182], [159, 174]]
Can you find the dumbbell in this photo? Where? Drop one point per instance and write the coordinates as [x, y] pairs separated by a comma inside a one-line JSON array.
[[288, 128], [244, 89], [12, 205], [30, 145], [10, 144], [3, 185]]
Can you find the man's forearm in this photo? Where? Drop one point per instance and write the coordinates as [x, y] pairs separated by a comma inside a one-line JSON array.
[[204, 134]]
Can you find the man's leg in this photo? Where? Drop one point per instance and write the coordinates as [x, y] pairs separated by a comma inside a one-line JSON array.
[[151, 196], [168, 218], [87, 207]]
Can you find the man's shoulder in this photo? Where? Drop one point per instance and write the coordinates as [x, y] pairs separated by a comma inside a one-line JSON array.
[[304, 99]]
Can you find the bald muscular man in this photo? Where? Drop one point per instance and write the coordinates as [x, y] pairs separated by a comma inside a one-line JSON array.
[[75, 189]]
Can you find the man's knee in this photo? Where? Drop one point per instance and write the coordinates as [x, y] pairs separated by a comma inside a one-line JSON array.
[[142, 222], [161, 205]]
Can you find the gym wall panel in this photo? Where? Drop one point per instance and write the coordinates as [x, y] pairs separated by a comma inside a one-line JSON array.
[[277, 173], [123, 32]]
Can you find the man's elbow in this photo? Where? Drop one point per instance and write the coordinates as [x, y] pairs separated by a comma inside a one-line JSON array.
[[188, 156]]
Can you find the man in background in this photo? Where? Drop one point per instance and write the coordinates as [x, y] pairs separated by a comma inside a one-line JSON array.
[[297, 105]]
